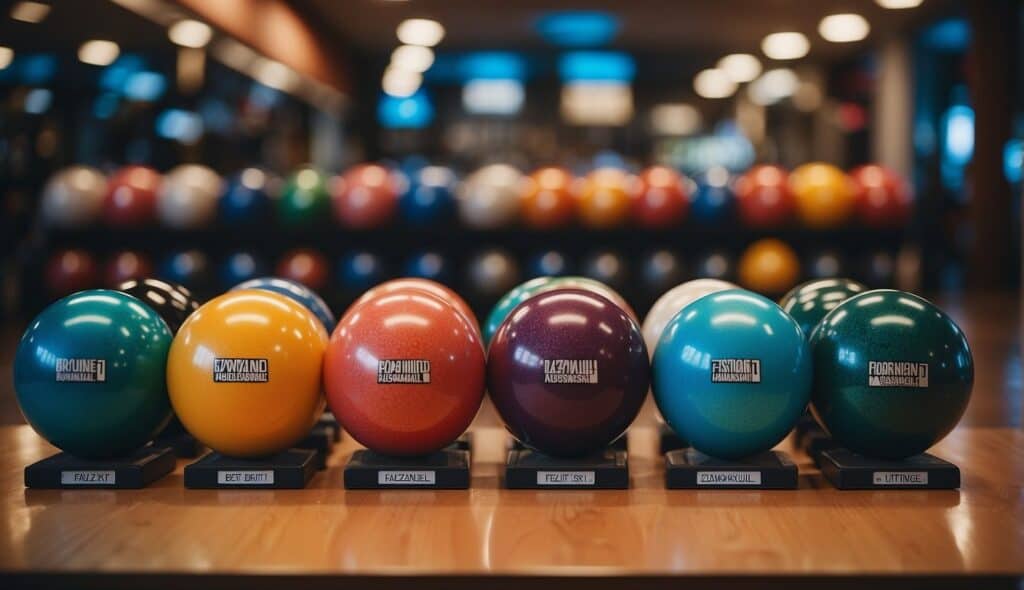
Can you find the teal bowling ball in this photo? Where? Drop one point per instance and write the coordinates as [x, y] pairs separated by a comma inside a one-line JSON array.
[[510, 301], [89, 374], [808, 302], [732, 374], [892, 374]]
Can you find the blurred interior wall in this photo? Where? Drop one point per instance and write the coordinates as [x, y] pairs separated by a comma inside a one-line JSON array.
[[892, 134]]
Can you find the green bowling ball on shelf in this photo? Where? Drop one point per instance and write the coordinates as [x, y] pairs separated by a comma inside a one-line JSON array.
[[892, 374], [305, 199], [808, 302]]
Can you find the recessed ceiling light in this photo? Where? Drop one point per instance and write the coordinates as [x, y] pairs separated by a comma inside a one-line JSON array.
[[190, 33], [714, 83], [6, 57], [414, 58], [740, 67], [844, 28], [30, 12], [98, 52], [400, 83], [773, 86], [787, 45], [899, 4], [420, 31]]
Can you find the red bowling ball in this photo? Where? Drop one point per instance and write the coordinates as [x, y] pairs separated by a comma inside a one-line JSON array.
[[434, 288], [126, 265], [764, 198], [305, 266], [131, 196], [882, 198], [68, 271], [660, 198], [404, 373], [366, 196]]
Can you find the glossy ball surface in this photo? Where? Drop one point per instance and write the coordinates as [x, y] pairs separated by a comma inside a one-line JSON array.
[[188, 196], [172, 302], [769, 266], [604, 199], [660, 198], [73, 197], [304, 199], [246, 200], [131, 196], [807, 303], [823, 193], [297, 292], [434, 288], [366, 196], [549, 198], [882, 197], [429, 196], [763, 197], [672, 302]]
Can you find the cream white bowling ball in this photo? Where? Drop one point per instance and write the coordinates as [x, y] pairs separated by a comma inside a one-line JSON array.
[[489, 197], [188, 196], [672, 302], [73, 197]]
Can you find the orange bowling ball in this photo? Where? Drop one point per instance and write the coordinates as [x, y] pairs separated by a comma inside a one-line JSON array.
[[549, 198], [764, 198], [366, 196], [404, 373], [882, 197], [824, 195], [604, 199], [244, 373], [660, 198], [434, 288], [769, 266]]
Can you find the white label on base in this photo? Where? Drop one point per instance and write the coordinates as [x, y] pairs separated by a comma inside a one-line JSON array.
[[87, 478], [406, 478], [565, 478], [246, 478], [728, 478], [900, 478]]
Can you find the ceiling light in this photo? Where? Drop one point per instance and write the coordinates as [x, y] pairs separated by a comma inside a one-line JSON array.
[[714, 83], [98, 52], [598, 103], [844, 28], [789, 45], [493, 97], [773, 86], [740, 67], [6, 57], [412, 58], [30, 12], [420, 31], [675, 119], [190, 33], [899, 4], [276, 75], [401, 83]]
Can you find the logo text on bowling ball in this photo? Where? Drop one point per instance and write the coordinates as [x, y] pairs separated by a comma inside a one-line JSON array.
[[570, 371], [81, 370], [735, 371], [897, 374], [241, 370], [410, 371]]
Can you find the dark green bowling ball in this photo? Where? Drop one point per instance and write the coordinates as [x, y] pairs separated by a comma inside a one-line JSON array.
[[305, 199], [892, 374], [89, 374], [808, 302]]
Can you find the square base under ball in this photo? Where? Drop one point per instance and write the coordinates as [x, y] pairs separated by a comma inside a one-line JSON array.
[[669, 440], [138, 470], [183, 444], [291, 470], [689, 469], [321, 440], [530, 470], [327, 420], [447, 469], [847, 470], [619, 444]]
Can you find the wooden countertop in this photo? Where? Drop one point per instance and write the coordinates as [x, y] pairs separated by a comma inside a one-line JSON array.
[[646, 532]]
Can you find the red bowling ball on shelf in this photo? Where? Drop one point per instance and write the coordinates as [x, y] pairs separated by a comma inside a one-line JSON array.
[[433, 287], [68, 271], [882, 198], [660, 198], [305, 266], [366, 196], [131, 196], [126, 265], [764, 198]]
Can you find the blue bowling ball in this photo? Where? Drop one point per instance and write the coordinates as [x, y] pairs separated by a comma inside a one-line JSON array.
[[713, 201], [360, 270], [297, 292], [732, 374], [246, 198], [240, 266], [428, 198], [550, 263], [428, 265], [190, 268]]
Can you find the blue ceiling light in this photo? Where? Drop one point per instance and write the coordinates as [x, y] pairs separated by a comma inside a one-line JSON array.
[[952, 34], [596, 66], [412, 112], [492, 65], [577, 28], [145, 86], [115, 76]]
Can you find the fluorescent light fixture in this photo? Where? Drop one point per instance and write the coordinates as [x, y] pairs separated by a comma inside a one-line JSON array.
[[412, 58], [899, 4], [98, 52], [190, 33], [609, 66], [30, 12], [420, 31], [844, 28], [675, 119], [601, 103], [740, 67], [714, 83], [492, 65], [786, 45], [401, 83], [577, 28], [6, 57], [493, 97], [773, 86]]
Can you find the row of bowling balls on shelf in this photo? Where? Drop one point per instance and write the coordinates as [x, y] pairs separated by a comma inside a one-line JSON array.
[[190, 196], [767, 266], [565, 361]]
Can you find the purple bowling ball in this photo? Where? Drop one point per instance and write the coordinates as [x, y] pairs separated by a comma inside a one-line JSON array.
[[568, 371]]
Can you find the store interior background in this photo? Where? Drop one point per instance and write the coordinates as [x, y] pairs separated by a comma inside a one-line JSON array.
[[934, 91]]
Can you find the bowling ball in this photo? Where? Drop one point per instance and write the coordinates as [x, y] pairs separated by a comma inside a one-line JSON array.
[[73, 197], [430, 265], [188, 196], [304, 199], [68, 271], [297, 292], [360, 270], [823, 193], [246, 200], [550, 263], [417, 284], [549, 198], [304, 265], [714, 264], [825, 264], [425, 379], [89, 374], [608, 267], [187, 267], [763, 198], [660, 198], [125, 265], [567, 371], [807, 303], [878, 267], [713, 201], [769, 266], [429, 196], [660, 270], [672, 302], [172, 302], [244, 373], [240, 266], [882, 198], [892, 374], [492, 272], [732, 374], [131, 196], [366, 196], [598, 288], [489, 197], [604, 199]]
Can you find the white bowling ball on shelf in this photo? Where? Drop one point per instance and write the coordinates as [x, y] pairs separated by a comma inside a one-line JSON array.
[[672, 302], [188, 196], [489, 197], [73, 197]]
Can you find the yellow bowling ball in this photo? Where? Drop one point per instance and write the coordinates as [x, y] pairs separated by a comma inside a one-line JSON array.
[[244, 373], [769, 266], [604, 200], [824, 195]]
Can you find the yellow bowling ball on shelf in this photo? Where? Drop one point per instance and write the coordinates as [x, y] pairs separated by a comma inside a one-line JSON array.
[[824, 195], [244, 373], [604, 200], [769, 266]]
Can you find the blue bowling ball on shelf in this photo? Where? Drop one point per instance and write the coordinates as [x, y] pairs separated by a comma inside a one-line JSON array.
[[190, 268], [428, 198], [360, 270], [713, 201], [428, 265], [246, 198], [297, 292], [241, 266], [550, 263]]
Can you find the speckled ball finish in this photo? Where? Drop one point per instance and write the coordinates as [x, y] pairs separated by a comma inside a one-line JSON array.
[[807, 303]]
